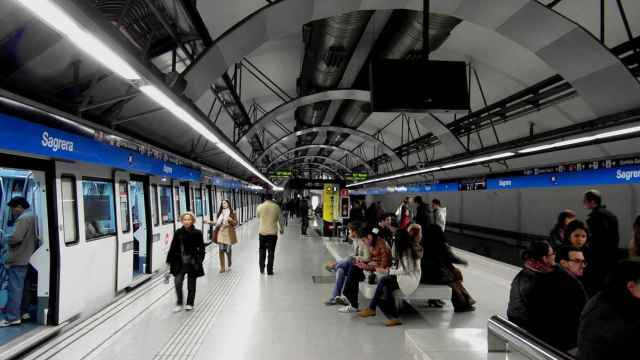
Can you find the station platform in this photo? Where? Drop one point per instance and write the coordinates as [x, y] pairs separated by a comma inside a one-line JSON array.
[[242, 314]]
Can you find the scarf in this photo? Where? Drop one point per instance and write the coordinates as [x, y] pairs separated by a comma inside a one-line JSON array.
[[224, 216], [538, 266]]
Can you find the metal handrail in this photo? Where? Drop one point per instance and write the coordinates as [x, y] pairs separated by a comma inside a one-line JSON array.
[[504, 336]]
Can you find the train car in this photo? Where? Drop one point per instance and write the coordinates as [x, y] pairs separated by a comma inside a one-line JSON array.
[[105, 214]]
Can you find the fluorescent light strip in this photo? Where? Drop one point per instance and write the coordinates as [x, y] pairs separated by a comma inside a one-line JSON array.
[[580, 140], [83, 39], [163, 100], [423, 171]]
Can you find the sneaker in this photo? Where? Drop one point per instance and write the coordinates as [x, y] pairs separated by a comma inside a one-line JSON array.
[[5, 323], [26, 317], [366, 313], [392, 322], [348, 309], [188, 307], [342, 300], [177, 308], [331, 302]]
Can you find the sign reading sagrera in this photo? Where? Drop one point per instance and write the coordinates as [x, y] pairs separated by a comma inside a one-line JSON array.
[[55, 143]]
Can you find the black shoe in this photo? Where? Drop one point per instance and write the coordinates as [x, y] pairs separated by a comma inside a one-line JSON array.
[[269, 272], [262, 271], [464, 309]]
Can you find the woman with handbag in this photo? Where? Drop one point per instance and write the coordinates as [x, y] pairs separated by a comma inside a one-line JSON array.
[[185, 258], [225, 233]]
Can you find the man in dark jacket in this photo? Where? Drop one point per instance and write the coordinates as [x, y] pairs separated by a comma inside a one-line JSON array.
[[304, 215], [604, 240], [610, 323]]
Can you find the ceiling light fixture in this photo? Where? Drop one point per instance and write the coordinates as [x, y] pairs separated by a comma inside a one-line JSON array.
[[424, 171], [56, 18], [163, 100], [580, 140]]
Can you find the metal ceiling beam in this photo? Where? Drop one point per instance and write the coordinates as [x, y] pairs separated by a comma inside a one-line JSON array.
[[290, 106], [352, 132], [319, 146], [327, 159]]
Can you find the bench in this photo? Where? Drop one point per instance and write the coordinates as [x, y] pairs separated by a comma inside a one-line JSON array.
[[423, 292]]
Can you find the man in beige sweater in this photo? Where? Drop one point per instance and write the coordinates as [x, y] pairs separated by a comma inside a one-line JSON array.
[[270, 219]]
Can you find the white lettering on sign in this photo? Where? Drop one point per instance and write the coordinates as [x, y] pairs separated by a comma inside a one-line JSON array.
[[504, 183], [167, 169], [55, 143], [627, 175]]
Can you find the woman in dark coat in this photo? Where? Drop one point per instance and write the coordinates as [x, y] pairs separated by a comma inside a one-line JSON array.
[[556, 236], [185, 258], [438, 268]]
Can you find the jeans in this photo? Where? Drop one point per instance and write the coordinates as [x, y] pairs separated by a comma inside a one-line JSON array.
[[351, 286], [285, 217], [305, 224], [267, 243], [383, 297], [342, 269], [191, 285], [15, 287]]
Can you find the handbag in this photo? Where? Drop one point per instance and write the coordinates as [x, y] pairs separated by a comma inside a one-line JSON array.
[[214, 235]]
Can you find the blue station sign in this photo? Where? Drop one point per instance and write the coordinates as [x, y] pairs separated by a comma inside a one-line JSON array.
[[18, 135]]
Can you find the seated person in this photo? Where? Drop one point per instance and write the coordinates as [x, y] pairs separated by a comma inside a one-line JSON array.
[[438, 268], [610, 322], [342, 267], [405, 276], [545, 300], [379, 261]]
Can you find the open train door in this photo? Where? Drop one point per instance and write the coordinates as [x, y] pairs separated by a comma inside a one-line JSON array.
[[125, 247]]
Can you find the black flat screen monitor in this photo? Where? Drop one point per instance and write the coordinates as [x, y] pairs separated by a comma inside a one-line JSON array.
[[418, 86]]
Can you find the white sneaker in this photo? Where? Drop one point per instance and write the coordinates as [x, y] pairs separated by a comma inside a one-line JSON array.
[[342, 300], [26, 317], [188, 307], [348, 309], [5, 323], [177, 308]]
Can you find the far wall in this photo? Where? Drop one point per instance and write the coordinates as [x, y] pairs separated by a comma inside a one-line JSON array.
[[531, 211]]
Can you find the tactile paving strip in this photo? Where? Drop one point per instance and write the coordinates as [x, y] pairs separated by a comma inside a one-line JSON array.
[[186, 341]]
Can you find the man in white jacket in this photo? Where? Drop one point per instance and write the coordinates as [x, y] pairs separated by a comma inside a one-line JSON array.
[[439, 213]]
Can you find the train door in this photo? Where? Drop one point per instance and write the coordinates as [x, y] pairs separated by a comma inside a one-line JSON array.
[[163, 231], [126, 248], [206, 204], [180, 199], [31, 185], [195, 194], [141, 223]]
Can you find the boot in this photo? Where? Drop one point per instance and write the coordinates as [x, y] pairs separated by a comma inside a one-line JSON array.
[[221, 257]]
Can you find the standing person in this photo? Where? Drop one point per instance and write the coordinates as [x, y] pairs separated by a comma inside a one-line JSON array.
[[404, 277], [423, 216], [404, 217], [226, 223], [21, 245], [439, 213], [610, 322], [604, 241], [185, 258], [270, 217], [304, 215], [285, 212], [371, 215], [556, 236]]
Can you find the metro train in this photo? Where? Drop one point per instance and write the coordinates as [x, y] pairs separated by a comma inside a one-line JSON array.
[[105, 214]]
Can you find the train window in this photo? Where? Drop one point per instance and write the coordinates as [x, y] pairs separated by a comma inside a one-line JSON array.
[[99, 208], [69, 209], [206, 202], [154, 205], [198, 200], [182, 193], [166, 205], [123, 192]]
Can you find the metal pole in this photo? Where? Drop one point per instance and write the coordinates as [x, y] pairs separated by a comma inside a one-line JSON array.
[[426, 8]]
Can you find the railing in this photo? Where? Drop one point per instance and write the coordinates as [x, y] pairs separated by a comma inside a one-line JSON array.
[[505, 336]]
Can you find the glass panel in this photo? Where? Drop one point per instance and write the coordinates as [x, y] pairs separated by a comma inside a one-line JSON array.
[[99, 208], [154, 205], [198, 201], [166, 205], [69, 209], [176, 196], [123, 192], [206, 202], [183, 200]]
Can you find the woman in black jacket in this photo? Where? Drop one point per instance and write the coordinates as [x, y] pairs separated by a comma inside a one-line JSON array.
[[438, 268], [557, 233], [185, 257]]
